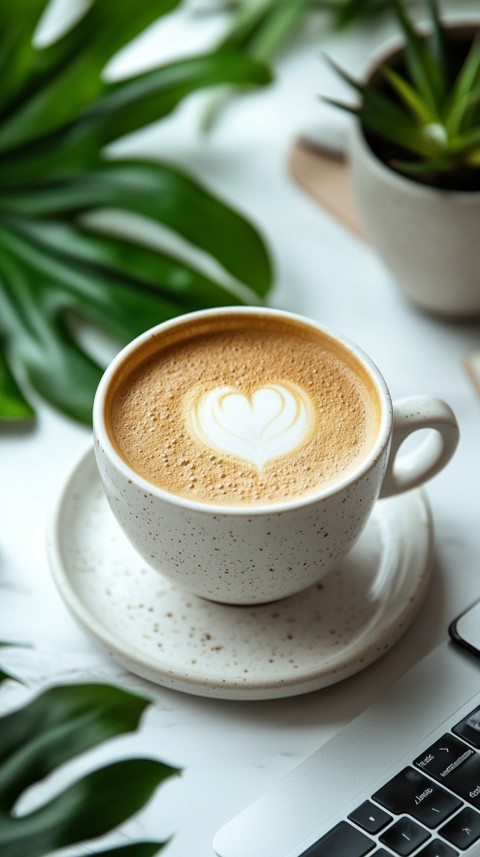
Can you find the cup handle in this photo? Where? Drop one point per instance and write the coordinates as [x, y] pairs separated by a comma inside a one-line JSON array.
[[410, 469]]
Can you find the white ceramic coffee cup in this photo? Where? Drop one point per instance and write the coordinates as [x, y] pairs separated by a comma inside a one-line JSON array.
[[255, 554]]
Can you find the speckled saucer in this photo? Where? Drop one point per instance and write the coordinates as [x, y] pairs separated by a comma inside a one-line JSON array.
[[305, 642]]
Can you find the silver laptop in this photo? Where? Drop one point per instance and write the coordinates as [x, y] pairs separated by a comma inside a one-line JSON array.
[[402, 779]]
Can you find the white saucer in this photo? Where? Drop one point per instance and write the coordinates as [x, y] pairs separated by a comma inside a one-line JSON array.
[[300, 644]]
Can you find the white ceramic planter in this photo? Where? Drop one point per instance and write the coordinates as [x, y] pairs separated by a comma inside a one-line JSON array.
[[428, 238]]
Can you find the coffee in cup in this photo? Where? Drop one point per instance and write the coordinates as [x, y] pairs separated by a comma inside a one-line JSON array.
[[261, 411], [243, 449]]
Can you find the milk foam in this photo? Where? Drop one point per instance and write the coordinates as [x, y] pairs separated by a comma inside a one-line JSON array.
[[255, 413], [273, 421]]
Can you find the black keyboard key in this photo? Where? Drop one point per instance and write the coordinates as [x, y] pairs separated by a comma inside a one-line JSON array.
[[412, 794], [437, 849], [469, 728], [444, 758], [466, 781], [370, 817], [382, 853], [404, 837], [462, 830], [343, 840]]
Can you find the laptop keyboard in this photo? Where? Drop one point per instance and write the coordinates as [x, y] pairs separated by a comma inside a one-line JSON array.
[[428, 809]]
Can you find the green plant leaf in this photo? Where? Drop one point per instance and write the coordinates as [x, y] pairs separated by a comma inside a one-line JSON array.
[[347, 12], [13, 404], [50, 268], [38, 340], [58, 725], [438, 41], [263, 28], [465, 92], [283, 21], [462, 116], [149, 271], [411, 99], [161, 193], [249, 18], [61, 259], [372, 99], [473, 157], [405, 134], [4, 676], [260, 28], [392, 125], [55, 727], [120, 109], [88, 809], [166, 196], [251, 15], [466, 141], [422, 63], [426, 168], [4, 644], [419, 111], [7, 644], [65, 76]]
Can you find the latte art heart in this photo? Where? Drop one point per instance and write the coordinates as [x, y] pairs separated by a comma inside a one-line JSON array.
[[273, 421]]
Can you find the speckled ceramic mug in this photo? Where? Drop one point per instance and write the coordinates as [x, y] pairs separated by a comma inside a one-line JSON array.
[[260, 550]]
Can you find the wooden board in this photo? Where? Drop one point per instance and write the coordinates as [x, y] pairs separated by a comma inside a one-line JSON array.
[[472, 365], [325, 176]]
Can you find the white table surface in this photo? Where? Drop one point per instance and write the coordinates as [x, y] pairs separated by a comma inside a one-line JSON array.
[[230, 752]]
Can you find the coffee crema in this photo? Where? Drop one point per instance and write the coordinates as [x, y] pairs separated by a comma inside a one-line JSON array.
[[263, 411]]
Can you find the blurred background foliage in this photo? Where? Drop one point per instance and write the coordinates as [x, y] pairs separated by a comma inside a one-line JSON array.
[[57, 115], [64, 261]]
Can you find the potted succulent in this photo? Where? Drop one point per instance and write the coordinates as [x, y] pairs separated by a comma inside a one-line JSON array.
[[415, 156]]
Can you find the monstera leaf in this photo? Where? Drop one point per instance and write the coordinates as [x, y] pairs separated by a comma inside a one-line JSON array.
[[56, 727], [5, 676], [63, 261]]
